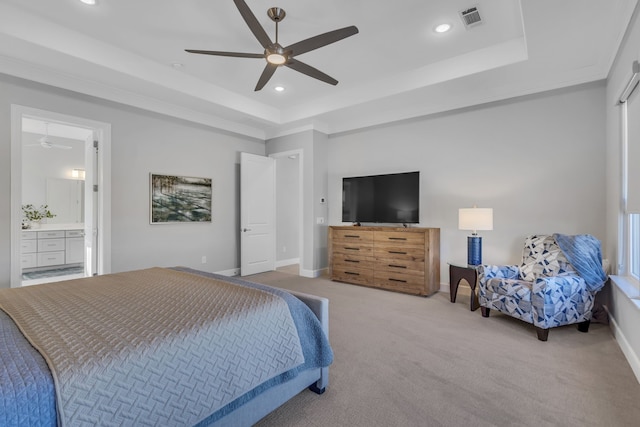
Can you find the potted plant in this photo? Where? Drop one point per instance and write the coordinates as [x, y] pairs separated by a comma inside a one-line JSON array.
[[32, 215]]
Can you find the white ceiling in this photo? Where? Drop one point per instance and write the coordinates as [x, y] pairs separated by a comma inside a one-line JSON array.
[[396, 68]]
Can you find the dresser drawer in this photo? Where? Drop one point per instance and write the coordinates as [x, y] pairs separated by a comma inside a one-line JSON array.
[[403, 237], [350, 261], [29, 260], [354, 235], [50, 258], [48, 245], [352, 275], [400, 265], [404, 252], [353, 249], [55, 234], [28, 246], [409, 283]]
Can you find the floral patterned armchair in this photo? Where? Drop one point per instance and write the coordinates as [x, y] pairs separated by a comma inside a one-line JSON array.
[[546, 289]]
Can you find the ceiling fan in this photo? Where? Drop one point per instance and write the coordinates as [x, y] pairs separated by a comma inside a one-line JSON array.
[[45, 141], [277, 55]]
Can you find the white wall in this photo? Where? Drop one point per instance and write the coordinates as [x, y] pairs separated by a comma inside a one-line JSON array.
[[624, 313], [538, 161], [142, 142]]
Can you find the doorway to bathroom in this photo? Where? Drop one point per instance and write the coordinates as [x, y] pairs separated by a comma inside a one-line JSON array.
[[58, 181]]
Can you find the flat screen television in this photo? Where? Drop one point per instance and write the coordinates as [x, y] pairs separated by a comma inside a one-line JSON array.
[[390, 198]]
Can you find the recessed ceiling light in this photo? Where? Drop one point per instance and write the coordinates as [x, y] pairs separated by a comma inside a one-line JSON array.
[[89, 2], [279, 89], [442, 28], [177, 64]]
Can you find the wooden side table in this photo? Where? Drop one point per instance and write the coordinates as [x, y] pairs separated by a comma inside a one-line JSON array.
[[456, 274]]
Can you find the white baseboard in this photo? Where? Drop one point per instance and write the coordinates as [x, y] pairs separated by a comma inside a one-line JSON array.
[[624, 345], [230, 272], [312, 274], [286, 262]]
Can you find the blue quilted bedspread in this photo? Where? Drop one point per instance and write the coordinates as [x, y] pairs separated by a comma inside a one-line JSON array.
[[26, 387], [27, 394]]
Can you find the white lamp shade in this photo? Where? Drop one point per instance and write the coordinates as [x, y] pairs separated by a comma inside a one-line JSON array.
[[475, 219]]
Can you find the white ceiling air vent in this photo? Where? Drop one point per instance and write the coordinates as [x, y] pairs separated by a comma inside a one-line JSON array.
[[471, 17]]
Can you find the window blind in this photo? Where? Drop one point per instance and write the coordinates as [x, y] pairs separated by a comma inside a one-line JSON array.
[[632, 100]]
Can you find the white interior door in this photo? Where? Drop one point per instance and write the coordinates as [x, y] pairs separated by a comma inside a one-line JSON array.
[[257, 214]]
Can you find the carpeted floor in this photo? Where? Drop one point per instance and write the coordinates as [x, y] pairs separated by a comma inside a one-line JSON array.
[[402, 360]]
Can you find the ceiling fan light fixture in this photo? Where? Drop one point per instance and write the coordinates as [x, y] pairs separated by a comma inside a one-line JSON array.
[[275, 54], [276, 58]]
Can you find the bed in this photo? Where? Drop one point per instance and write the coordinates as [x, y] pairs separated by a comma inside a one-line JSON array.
[[157, 347]]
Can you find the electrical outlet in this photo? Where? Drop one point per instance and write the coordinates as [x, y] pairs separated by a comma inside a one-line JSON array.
[[320, 220], [204, 259]]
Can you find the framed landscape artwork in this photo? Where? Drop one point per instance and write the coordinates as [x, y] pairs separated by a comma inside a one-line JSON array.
[[180, 199]]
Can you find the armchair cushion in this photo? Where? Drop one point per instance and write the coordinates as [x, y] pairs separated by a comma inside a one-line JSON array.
[[543, 258]]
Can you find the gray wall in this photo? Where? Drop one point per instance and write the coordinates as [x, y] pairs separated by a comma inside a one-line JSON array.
[[538, 161], [142, 142], [287, 208]]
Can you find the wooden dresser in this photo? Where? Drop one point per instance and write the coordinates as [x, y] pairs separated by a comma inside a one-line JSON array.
[[398, 259]]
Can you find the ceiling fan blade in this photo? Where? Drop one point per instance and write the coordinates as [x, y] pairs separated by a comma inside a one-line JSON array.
[[253, 23], [266, 75], [310, 71], [321, 40], [234, 54]]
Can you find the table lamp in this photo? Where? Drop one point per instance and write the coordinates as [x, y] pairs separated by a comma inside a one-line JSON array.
[[475, 219]]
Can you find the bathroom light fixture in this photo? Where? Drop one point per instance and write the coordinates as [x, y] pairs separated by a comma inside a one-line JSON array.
[[442, 28], [77, 173], [89, 2]]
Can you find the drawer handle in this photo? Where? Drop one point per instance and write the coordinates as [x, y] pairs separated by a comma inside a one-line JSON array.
[[397, 280], [352, 274], [352, 249], [397, 252], [397, 266], [352, 236], [397, 238], [351, 260]]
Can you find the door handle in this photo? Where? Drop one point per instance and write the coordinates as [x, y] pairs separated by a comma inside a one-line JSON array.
[[246, 229]]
